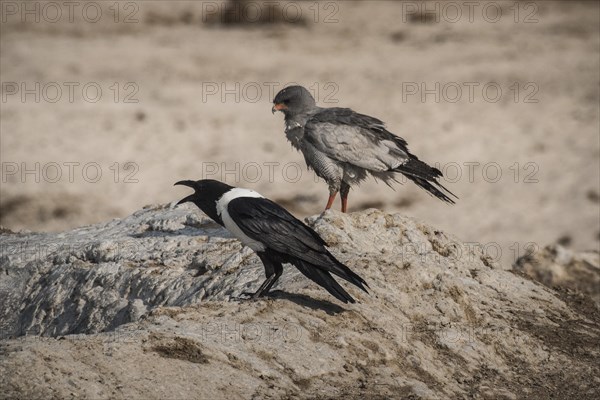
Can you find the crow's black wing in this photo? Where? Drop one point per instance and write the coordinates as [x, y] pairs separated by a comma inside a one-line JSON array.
[[265, 221]]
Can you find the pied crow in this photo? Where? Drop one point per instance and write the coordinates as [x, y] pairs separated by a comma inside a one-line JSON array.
[[275, 235]]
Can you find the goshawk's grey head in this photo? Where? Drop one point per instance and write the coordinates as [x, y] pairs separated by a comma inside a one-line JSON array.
[[293, 100]]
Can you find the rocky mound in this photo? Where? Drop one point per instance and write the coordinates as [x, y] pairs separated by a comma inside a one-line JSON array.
[[558, 267], [146, 307]]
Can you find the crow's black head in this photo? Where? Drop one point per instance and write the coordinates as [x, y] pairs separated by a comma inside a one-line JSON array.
[[293, 100], [205, 196]]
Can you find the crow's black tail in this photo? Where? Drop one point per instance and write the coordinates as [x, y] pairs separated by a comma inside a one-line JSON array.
[[339, 269], [325, 280], [426, 177], [321, 275]]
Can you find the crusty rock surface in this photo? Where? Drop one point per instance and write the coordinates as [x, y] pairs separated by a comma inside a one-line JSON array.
[[557, 266], [147, 307]]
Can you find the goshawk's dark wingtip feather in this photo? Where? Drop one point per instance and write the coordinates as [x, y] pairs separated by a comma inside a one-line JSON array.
[[442, 187], [426, 177], [431, 188]]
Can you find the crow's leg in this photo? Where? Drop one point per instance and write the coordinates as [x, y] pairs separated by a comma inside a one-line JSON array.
[[345, 189], [273, 270]]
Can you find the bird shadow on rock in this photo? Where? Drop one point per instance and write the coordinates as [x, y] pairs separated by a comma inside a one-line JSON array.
[[307, 301]]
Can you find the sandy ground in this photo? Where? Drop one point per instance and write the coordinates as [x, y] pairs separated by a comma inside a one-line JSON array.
[[204, 108]]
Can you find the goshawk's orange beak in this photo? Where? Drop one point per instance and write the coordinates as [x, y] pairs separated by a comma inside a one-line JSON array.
[[278, 107]]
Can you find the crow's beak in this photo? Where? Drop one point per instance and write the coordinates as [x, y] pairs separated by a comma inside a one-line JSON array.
[[186, 183], [191, 196], [278, 107], [185, 199]]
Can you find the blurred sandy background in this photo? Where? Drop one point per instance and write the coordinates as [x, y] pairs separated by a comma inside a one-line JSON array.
[[176, 58]]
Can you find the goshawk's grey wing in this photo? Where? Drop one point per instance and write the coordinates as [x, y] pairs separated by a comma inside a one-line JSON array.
[[358, 139], [363, 141], [267, 222]]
